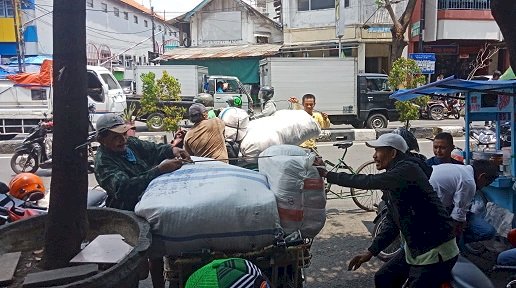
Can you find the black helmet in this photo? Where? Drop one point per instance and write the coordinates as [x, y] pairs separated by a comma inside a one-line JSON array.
[[266, 93], [409, 138]]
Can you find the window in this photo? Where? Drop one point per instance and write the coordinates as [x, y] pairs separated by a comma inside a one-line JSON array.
[[89, 3], [307, 5], [6, 8], [169, 32], [346, 3], [135, 19], [38, 94], [112, 83], [103, 6], [126, 15], [159, 28], [116, 11], [145, 23]]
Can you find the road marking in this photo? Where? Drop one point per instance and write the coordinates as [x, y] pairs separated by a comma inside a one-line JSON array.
[[6, 157]]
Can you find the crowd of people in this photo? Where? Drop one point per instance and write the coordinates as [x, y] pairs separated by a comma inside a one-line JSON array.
[[429, 202]]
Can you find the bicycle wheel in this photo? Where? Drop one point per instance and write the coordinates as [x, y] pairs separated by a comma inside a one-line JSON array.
[[367, 200], [393, 249]]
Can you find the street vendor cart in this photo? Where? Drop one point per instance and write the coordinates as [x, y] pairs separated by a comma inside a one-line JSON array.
[[485, 101]]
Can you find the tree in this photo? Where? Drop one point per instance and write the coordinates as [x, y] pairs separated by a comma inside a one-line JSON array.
[[483, 58], [504, 13], [399, 26], [406, 74], [67, 223], [156, 94]]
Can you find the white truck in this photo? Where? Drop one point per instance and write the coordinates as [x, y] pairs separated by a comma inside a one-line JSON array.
[[22, 107], [348, 97], [191, 77]]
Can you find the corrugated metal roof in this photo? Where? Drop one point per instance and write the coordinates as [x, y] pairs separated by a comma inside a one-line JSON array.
[[243, 51], [142, 8]]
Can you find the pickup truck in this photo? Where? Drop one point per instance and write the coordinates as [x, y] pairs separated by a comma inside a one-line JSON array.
[[155, 120]]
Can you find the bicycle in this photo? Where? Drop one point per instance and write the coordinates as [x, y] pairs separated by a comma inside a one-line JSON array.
[[367, 200]]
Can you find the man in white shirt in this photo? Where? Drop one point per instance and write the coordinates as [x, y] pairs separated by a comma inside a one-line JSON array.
[[456, 186]]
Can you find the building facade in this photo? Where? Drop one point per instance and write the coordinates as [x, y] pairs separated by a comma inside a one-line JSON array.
[[118, 32], [456, 31]]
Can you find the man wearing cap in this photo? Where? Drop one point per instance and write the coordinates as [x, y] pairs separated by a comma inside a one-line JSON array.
[[206, 138], [124, 166], [414, 209]]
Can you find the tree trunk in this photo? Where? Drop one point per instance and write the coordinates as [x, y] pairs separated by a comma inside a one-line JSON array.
[[504, 13], [67, 222], [397, 46]]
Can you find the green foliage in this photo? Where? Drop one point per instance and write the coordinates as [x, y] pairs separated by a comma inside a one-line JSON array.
[[167, 88], [130, 113], [405, 74]]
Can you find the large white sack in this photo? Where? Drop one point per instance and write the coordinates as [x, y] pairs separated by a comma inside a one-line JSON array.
[[284, 127], [298, 188], [210, 205], [236, 121]]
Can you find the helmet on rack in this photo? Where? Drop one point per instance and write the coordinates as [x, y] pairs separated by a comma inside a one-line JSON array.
[[266, 93], [27, 186], [409, 138]]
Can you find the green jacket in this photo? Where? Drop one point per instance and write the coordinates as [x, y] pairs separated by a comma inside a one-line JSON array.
[[125, 181]]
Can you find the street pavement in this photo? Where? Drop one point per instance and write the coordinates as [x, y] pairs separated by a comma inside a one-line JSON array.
[[346, 233]]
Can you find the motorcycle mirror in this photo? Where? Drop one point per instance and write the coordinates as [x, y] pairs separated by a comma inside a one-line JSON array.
[[4, 189]]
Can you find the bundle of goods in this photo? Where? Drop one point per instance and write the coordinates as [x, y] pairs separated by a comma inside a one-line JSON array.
[[210, 205], [298, 188], [284, 127], [237, 121]]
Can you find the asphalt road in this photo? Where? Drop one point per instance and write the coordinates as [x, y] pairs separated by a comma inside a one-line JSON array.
[[347, 230]]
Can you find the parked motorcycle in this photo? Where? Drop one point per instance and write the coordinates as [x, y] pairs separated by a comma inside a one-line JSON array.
[[14, 209], [486, 136], [36, 150], [439, 108]]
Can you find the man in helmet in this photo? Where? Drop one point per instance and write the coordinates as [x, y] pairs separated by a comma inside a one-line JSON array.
[[124, 167], [268, 106]]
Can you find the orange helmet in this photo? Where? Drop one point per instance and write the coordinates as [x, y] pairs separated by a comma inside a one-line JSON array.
[[27, 186]]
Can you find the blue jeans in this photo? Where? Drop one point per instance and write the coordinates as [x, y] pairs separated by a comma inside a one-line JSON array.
[[477, 229]]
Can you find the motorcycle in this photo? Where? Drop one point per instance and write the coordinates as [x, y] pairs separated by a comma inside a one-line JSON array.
[[36, 150], [14, 209], [438, 108], [486, 136], [434, 110]]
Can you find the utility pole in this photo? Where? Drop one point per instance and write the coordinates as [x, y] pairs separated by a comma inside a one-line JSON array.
[[18, 29], [153, 30]]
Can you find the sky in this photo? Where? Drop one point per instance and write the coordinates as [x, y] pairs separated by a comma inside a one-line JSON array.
[[173, 8]]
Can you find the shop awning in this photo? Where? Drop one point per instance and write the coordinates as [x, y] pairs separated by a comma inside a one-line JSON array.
[[452, 85]]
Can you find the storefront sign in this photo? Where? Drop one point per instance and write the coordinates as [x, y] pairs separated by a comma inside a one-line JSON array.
[[425, 61], [442, 49]]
